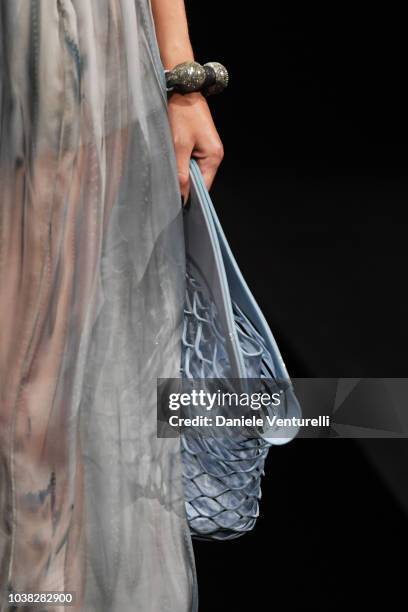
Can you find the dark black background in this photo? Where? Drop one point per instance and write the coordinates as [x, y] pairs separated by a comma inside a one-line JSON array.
[[312, 194]]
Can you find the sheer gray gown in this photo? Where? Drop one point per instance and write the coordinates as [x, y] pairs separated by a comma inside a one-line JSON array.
[[91, 302]]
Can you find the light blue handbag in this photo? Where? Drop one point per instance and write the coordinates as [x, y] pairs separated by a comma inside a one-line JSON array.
[[225, 336]]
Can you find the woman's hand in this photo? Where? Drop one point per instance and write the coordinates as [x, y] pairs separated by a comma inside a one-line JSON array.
[[194, 135]]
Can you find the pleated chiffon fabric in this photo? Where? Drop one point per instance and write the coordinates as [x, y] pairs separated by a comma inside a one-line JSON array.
[[92, 277]]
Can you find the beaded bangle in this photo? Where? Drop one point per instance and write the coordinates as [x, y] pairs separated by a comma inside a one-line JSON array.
[[211, 78]]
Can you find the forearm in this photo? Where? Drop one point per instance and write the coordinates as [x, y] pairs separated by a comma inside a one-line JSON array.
[[193, 130], [172, 32]]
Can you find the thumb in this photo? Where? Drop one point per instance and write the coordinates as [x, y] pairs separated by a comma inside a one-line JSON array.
[[183, 155]]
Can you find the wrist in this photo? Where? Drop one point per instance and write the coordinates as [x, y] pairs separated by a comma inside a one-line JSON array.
[[186, 99]]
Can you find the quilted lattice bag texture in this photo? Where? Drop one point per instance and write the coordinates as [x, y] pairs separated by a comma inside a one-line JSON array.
[[225, 336]]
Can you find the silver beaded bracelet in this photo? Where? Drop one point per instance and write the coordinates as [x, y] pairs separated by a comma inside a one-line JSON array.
[[211, 78]]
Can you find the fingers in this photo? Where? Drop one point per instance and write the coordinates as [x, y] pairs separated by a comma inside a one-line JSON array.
[[183, 155], [209, 160]]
